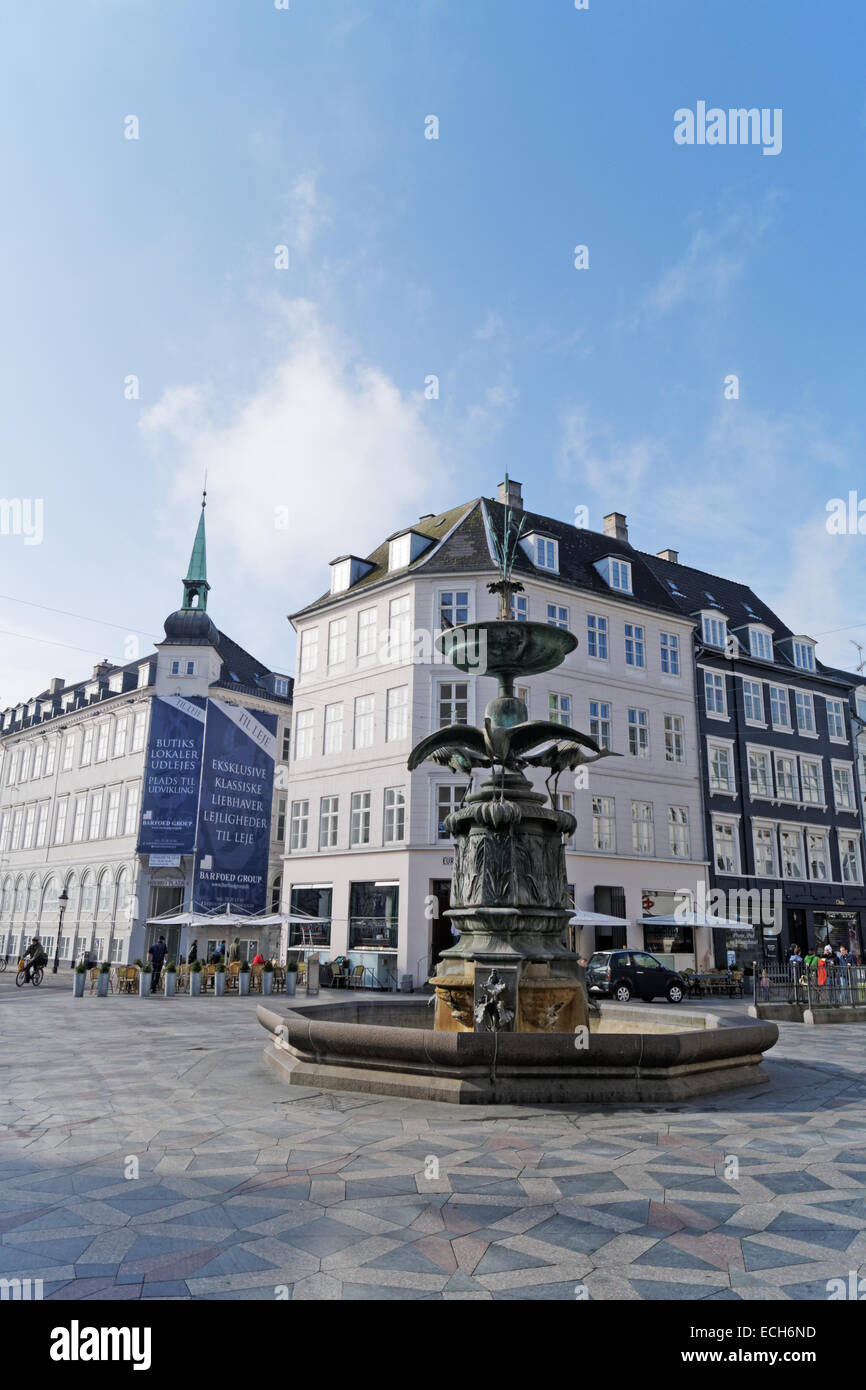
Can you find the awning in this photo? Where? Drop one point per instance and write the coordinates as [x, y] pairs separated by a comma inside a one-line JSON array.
[[583, 918], [696, 919]]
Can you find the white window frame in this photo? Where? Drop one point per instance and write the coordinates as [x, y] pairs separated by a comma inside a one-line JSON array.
[[761, 643], [728, 824], [679, 832], [836, 711], [780, 757], [772, 842], [753, 702], [394, 816], [604, 814], [596, 636], [675, 738], [804, 703], [782, 701], [635, 646], [715, 681], [638, 732], [364, 721], [669, 653], [727, 748]]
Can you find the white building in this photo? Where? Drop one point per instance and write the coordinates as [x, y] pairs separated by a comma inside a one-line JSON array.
[[367, 853], [72, 761]]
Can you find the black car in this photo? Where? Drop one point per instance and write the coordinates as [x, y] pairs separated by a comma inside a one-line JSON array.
[[621, 974]]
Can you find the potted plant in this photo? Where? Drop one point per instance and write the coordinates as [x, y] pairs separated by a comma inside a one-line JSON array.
[[78, 980], [219, 979], [144, 980], [244, 978], [102, 980], [195, 977], [268, 977], [291, 976], [170, 978]]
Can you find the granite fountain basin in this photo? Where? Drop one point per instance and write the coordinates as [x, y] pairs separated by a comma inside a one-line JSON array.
[[633, 1054]]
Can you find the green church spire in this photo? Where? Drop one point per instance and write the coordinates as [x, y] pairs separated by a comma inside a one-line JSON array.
[[195, 585]]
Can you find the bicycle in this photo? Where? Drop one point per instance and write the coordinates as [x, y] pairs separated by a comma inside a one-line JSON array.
[[2, 964], [35, 977]]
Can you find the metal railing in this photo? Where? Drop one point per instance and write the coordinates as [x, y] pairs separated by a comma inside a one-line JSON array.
[[834, 986]]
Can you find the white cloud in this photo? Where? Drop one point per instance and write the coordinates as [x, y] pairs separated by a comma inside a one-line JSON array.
[[328, 438], [307, 213], [713, 261]]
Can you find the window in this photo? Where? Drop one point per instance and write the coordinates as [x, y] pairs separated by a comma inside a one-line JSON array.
[[112, 814], [786, 779], [86, 746], [309, 651], [725, 847], [60, 822], [367, 622], [281, 819], [328, 816], [286, 749], [721, 769], [603, 823], [714, 692], [556, 616], [599, 722], [300, 824], [519, 608], [760, 644], [359, 828], [453, 608], [397, 714], [638, 733], [281, 685], [818, 855], [678, 832], [669, 653], [17, 822], [130, 820], [42, 825], [365, 721], [68, 749], [765, 852], [332, 741], [448, 798], [303, 734], [50, 757], [336, 644], [634, 652], [139, 722], [849, 854], [642, 827], [753, 702], [522, 693], [400, 552], [835, 720], [564, 801], [779, 708], [395, 814], [760, 777], [675, 738], [102, 742], [715, 631], [596, 636], [843, 789], [119, 747], [805, 712], [559, 709], [620, 575], [811, 781], [341, 576], [78, 823], [804, 656], [399, 634], [453, 699], [95, 815], [546, 553], [29, 827], [792, 853]]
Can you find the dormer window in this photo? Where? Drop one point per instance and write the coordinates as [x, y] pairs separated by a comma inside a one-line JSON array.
[[400, 552], [281, 685], [714, 627], [804, 655], [761, 643], [183, 668], [340, 576], [616, 573], [543, 551]]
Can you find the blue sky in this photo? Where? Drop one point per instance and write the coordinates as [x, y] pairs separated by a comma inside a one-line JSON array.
[[301, 390]]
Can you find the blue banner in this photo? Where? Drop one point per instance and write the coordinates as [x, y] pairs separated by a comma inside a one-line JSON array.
[[234, 818], [172, 771]]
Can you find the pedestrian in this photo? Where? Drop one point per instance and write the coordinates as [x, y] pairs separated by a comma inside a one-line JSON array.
[[795, 961], [221, 949], [235, 951], [844, 965], [193, 952], [157, 952]]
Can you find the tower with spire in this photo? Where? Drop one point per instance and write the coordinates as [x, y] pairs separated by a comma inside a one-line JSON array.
[[188, 657]]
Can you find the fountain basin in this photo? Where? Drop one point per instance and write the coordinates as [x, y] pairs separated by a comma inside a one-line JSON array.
[[506, 648], [656, 1055]]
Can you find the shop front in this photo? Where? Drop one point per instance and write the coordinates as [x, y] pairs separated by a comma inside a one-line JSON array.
[[837, 928]]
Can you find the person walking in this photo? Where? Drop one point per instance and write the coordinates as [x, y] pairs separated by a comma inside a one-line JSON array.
[[157, 952], [235, 950], [193, 952], [843, 966]]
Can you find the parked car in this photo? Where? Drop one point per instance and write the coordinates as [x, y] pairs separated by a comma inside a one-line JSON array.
[[621, 974]]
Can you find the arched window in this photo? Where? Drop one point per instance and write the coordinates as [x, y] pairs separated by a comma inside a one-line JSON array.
[[49, 910], [33, 896], [20, 897], [105, 895], [6, 899], [124, 898], [71, 886], [88, 889]]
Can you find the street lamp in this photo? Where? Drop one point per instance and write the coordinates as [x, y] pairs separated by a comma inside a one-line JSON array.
[[63, 900]]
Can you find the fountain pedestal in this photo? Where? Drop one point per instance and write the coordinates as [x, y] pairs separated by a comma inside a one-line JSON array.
[[512, 969]]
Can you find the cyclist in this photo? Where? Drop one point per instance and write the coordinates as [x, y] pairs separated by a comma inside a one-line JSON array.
[[35, 956]]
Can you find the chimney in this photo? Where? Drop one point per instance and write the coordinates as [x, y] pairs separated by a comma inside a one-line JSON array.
[[673, 556], [615, 526], [55, 685], [101, 670], [512, 495]]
